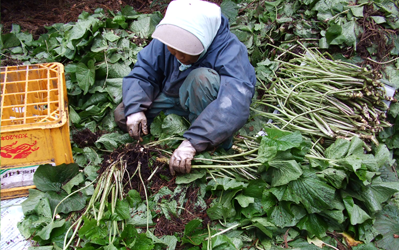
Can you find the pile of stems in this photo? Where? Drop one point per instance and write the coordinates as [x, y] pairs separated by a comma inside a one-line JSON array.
[[108, 190], [323, 98]]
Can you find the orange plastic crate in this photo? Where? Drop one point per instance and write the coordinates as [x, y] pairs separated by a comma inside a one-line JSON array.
[[34, 124]]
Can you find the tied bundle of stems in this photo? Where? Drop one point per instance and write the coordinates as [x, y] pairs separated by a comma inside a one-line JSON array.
[[325, 99]]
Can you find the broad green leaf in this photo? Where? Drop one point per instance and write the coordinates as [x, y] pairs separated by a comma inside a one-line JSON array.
[[335, 177], [174, 125], [243, 200], [338, 149], [96, 233], [193, 233], [256, 188], [43, 208], [145, 26], [226, 184], [111, 141], [29, 205], [73, 203], [191, 177], [314, 194], [9, 40], [79, 29], [114, 89], [74, 116], [140, 217], [51, 178], [95, 99], [263, 224], [142, 242], [284, 171], [122, 209], [332, 32], [314, 225], [387, 224], [347, 36], [85, 75], [222, 242], [286, 214], [356, 214], [254, 207], [110, 36], [223, 208], [277, 140], [378, 19], [99, 44], [392, 75], [357, 11], [75, 181], [92, 156], [134, 198], [230, 10], [46, 231]]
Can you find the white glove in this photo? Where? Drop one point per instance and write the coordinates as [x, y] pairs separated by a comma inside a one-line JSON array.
[[181, 158], [137, 123]]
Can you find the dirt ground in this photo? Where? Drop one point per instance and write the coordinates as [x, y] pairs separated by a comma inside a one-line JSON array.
[[32, 16]]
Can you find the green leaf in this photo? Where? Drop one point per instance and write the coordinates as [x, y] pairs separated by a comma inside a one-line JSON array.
[[79, 29], [193, 233], [284, 171], [29, 205], [145, 26], [99, 44], [122, 209], [314, 225], [85, 75], [332, 32], [277, 140], [243, 200], [9, 40], [111, 141], [378, 19], [43, 208], [191, 177], [110, 36], [230, 10], [174, 125], [314, 194], [387, 224], [134, 198], [357, 11], [75, 202], [285, 214], [338, 149], [335, 177], [46, 231], [347, 36], [96, 233], [226, 184], [51, 178], [356, 214], [75, 181]]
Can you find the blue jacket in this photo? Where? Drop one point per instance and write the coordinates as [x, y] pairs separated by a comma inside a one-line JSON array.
[[157, 71]]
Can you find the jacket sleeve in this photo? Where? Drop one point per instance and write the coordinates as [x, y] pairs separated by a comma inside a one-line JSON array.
[[230, 111], [143, 83]]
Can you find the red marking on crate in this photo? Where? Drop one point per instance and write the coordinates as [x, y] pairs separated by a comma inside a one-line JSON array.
[[15, 151], [12, 137]]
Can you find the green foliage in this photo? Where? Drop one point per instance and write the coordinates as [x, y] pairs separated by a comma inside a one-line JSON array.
[[347, 190]]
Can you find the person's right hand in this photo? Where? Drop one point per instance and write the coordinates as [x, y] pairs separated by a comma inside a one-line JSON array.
[[137, 123]]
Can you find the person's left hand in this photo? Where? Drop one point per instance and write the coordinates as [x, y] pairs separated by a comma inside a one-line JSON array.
[[181, 158]]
